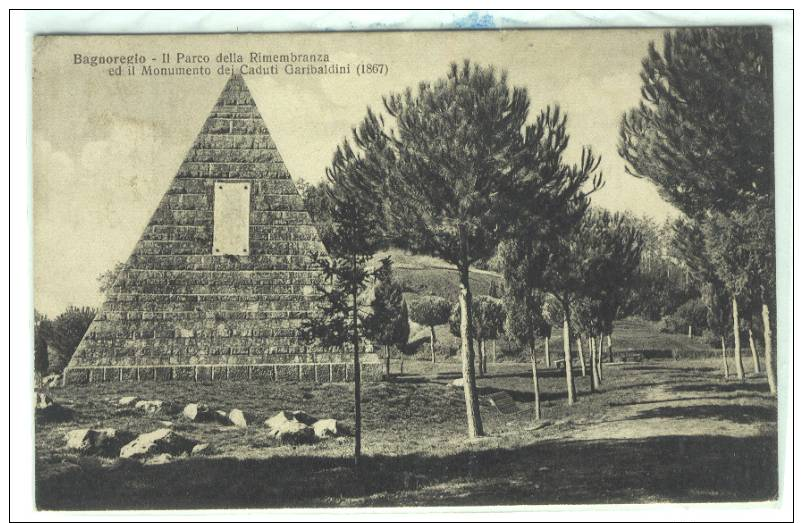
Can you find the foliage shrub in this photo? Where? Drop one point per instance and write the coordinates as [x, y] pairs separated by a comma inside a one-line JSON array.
[[692, 312]]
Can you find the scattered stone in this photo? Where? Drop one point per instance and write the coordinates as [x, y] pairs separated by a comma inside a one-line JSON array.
[[238, 418], [129, 401], [294, 432], [197, 412], [201, 449], [161, 441], [103, 442], [456, 383], [329, 428], [151, 406], [53, 380], [285, 416], [166, 423]]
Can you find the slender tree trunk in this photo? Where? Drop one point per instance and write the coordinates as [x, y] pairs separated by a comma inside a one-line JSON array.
[[493, 349], [582, 358], [610, 349], [689, 331], [737, 344], [599, 359], [473, 418], [387, 362], [547, 362], [724, 358], [567, 357], [596, 345], [355, 341], [753, 352], [536, 388], [432, 342], [481, 348], [594, 376], [769, 364]]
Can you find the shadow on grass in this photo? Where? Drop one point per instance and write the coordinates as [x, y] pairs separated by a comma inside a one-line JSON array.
[[521, 396], [676, 370], [54, 414], [751, 386], [745, 414], [684, 399], [687, 469]]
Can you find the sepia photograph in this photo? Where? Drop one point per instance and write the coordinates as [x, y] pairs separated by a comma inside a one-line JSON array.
[[475, 267]]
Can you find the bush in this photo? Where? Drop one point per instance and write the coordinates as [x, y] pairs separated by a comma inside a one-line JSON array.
[[692, 312], [65, 333]]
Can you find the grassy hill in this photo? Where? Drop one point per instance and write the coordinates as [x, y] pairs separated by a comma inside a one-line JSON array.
[[419, 275]]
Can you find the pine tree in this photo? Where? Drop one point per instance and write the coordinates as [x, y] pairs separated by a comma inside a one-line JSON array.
[[525, 323], [342, 320], [430, 311], [703, 132], [388, 326]]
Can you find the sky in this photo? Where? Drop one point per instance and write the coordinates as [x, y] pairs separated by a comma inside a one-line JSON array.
[[106, 148]]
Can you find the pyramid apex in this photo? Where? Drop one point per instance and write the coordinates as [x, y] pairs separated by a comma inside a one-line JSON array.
[[235, 93]]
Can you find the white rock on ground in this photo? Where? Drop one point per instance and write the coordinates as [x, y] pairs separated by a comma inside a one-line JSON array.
[[151, 406], [238, 418], [285, 416], [201, 449], [129, 401], [456, 383], [329, 428], [104, 442], [294, 432], [161, 441], [197, 412]]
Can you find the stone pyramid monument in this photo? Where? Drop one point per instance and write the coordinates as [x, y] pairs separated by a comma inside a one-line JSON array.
[[221, 279]]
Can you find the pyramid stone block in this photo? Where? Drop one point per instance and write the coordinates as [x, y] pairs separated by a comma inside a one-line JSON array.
[[221, 279]]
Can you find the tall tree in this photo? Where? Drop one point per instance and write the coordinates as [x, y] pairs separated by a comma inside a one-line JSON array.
[[525, 323], [612, 244], [703, 132], [689, 244], [342, 321], [388, 326], [489, 321], [741, 252], [454, 172], [430, 311]]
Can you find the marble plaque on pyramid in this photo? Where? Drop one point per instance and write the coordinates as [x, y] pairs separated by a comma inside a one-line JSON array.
[[221, 279]]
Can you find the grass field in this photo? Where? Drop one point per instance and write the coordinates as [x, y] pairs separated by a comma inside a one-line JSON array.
[[659, 431]]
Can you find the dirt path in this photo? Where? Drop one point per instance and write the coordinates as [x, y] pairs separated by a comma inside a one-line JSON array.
[[697, 406]]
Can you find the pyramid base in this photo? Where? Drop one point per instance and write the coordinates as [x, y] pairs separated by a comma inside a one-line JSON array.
[[283, 372]]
